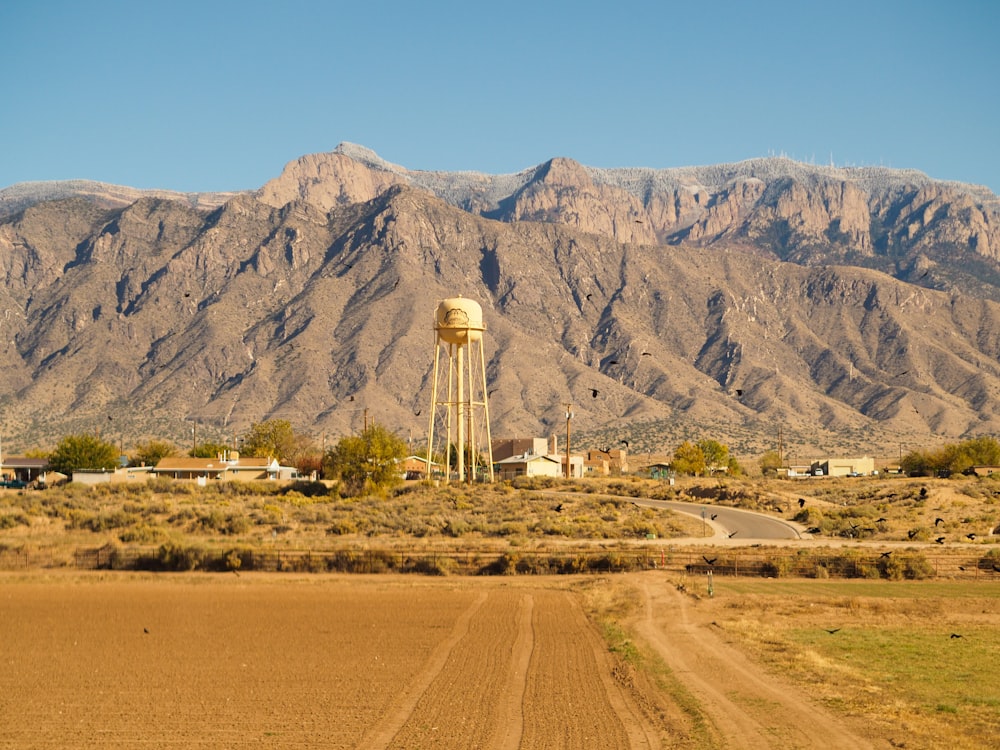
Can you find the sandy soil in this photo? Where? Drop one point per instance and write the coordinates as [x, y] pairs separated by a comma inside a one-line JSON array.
[[746, 707], [125, 660]]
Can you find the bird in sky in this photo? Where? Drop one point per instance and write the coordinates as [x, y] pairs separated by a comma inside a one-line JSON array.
[[710, 562], [589, 296], [647, 354], [938, 521], [714, 516], [971, 537], [594, 392], [625, 442], [940, 540], [802, 502], [886, 554], [559, 508], [955, 635], [912, 533], [831, 631], [731, 535]]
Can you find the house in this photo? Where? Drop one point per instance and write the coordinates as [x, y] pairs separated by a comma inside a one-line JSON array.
[[22, 468], [603, 463], [983, 471], [415, 467], [218, 469], [528, 465]]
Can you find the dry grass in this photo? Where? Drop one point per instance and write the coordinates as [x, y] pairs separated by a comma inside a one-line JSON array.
[[893, 659]]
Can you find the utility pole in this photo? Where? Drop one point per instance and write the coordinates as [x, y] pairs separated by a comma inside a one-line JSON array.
[[569, 416]]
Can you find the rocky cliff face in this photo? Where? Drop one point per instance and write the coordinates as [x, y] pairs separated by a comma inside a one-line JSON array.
[[668, 292]]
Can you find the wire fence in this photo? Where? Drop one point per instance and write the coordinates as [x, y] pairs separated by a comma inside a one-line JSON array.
[[738, 562]]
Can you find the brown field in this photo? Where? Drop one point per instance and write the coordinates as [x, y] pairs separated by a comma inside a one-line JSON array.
[[224, 660], [616, 655]]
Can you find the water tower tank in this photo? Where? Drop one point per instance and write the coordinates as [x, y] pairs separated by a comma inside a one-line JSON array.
[[459, 321]]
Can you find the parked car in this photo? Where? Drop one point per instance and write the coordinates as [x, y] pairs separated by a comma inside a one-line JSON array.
[[14, 484]]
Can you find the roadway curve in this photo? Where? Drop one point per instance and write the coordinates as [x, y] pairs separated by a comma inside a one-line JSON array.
[[730, 523]]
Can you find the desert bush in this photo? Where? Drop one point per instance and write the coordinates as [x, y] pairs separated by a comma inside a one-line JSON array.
[[223, 523], [17, 518], [180, 557], [142, 533]]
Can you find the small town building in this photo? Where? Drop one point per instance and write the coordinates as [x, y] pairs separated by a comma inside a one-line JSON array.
[[219, 469], [22, 468], [528, 465], [415, 467]]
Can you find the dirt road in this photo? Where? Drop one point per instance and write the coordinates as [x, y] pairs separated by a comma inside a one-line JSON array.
[[745, 707]]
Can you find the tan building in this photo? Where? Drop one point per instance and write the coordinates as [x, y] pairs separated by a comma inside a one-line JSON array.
[[218, 469], [528, 465]]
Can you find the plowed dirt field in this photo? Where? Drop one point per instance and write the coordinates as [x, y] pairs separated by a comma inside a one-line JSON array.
[[102, 661]]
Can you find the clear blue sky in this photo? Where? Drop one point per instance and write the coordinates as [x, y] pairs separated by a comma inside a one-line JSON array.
[[220, 95]]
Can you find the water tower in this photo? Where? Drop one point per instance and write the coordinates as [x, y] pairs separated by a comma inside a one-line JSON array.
[[458, 333]]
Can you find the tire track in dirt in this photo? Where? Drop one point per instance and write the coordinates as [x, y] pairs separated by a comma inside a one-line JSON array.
[[382, 733], [749, 709], [571, 699], [463, 706], [513, 706]]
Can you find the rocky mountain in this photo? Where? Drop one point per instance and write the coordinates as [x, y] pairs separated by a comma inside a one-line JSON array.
[[846, 309]]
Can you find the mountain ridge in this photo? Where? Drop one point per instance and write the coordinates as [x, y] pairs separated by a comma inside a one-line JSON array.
[[790, 302]]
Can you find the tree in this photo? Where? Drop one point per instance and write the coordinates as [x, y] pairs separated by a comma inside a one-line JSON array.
[[770, 462], [208, 450], [716, 454], [83, 452], [274, 438], [367, 461], [688, 459], [150, 453]]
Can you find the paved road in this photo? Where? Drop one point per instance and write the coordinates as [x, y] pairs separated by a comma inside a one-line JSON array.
[[730, 523]]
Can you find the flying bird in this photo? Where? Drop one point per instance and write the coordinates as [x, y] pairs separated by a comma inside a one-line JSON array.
[[625, 442], [912, 533], [831, 631], [613, 362], [955, 635], [938, 521], [714, 516], [417, 412], [880, 520], [733, 534], [970, 537], [886, 554], [589, 296], [940, 540], [647, 354], [710, 562], [594, 392], [802, 502], [559, 508]]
